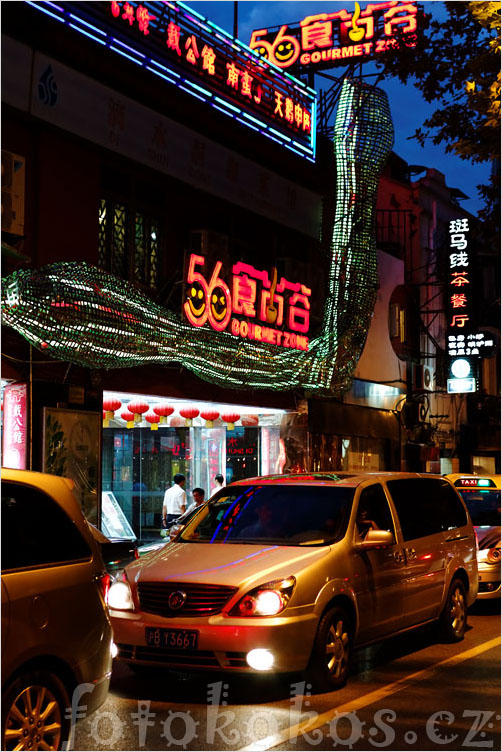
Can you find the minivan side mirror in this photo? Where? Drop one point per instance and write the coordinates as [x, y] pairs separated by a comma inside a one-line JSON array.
[[375, 539]]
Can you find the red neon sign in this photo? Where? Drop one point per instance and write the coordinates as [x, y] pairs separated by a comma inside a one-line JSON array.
[[329, 39], [276, 311], [14, 426]]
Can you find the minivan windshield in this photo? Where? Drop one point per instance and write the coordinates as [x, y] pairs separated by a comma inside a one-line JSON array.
[[278, 514], [483, 506]]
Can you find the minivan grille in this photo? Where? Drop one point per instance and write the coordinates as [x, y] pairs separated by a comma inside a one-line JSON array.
[[201, 600]]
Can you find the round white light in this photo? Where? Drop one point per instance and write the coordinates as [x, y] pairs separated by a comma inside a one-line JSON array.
[[460, 368], [119, 597], [114, 650], [260, 659], [268, 603]]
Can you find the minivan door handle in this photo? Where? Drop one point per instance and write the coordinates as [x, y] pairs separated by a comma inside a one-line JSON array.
[[456, 538], [410, 553], [399, 557]]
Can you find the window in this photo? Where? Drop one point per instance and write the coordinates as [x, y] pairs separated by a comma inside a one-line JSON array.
[[426, 506], [36, 531], [373, 503], [129, 242]]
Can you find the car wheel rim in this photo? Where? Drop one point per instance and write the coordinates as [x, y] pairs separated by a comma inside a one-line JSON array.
[[457, 611], [33, 720], [337, 649]]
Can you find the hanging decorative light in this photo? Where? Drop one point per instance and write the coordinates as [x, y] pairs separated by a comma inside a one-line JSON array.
[[231, 419], [153, 419], [137, 408], [163, 411], [110, 405], [106, 422], [189, 413], [177, 422], [250, 420], [210, 416], [128, 417]]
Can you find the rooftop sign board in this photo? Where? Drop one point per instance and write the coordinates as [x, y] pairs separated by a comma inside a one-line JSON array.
[[329, 39], [185, 50]]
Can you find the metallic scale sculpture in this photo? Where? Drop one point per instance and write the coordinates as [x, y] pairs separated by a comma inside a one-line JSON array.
[[81, 314]]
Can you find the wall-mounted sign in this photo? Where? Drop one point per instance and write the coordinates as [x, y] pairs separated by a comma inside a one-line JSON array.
[[325, 40], [463, 343], [15, 422], [173, 42], [253, 304]]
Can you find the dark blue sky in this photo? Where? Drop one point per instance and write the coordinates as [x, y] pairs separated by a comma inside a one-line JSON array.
[[407, 106]]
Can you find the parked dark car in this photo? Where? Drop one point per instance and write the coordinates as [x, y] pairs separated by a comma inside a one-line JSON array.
[[116, 552]]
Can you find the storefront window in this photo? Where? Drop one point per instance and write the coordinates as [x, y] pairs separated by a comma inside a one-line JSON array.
[[351, 453]]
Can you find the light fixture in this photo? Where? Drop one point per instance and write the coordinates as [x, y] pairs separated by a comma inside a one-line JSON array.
[[460, 368]]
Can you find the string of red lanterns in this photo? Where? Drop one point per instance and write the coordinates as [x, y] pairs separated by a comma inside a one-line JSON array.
[[138, 410]]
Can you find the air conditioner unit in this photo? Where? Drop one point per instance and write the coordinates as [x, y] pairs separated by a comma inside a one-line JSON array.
[[423, 378], [12, 193]]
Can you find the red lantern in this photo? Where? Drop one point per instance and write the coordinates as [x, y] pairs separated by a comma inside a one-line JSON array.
[[128, 417], [231, 418], [210, 416], [110, 405], [137, 408], [250, 420], [153, 420], [189, 413], [177, 422], [163, 411]]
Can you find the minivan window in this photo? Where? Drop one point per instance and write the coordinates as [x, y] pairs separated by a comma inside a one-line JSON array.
[[426, 506], [374, 506], [36, 531], [280, 514]]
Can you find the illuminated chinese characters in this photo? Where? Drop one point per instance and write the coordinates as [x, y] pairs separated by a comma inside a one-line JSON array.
[[242, 79], [329, 39], [253, 306], [14, 426], [459, 291]]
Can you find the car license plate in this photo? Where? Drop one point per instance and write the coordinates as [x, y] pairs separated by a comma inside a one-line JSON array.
[[180, 639]]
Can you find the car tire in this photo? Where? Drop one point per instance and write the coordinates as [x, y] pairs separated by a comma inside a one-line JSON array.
[[453, 619], [332, 651], [46, 726]]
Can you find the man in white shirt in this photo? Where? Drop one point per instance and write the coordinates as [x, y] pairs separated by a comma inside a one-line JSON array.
[[175, 500]]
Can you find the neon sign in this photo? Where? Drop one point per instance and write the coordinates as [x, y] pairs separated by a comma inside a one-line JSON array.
[[175, 43], [329, 39], [15, 426], [266, 310]]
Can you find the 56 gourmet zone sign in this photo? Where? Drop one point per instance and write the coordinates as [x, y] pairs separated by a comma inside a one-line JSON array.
[[329, 39], [253, 305]]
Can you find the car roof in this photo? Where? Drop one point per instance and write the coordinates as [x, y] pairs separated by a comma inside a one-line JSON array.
[[320, 478]]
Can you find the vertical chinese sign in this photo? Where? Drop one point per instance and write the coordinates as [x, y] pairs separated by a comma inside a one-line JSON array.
[[463, 352], [15, 422]]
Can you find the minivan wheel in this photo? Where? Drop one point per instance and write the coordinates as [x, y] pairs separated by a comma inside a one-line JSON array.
[[330, 659], [453, 619], [33, 712]]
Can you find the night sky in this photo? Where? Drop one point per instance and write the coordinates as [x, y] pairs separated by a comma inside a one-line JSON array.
[[407, 106]]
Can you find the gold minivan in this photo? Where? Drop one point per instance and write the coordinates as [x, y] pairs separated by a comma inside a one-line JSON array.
[[289, 573], [56, 634]]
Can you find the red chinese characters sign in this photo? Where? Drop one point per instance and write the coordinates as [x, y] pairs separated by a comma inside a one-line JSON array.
[[212, 68], [252, 304], [325, 40], [14, 426]]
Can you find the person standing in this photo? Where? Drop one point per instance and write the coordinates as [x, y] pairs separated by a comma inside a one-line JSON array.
[[219, 483], [175, 500]]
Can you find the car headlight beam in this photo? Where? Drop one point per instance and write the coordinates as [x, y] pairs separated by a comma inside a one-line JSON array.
[[120, 597], [268, 599]]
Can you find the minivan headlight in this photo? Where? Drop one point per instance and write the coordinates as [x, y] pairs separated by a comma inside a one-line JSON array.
[[120, 597], [266, 600]]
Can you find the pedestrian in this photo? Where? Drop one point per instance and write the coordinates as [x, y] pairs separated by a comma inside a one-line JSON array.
[[218, 484], [198, 498], [175, 501]]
